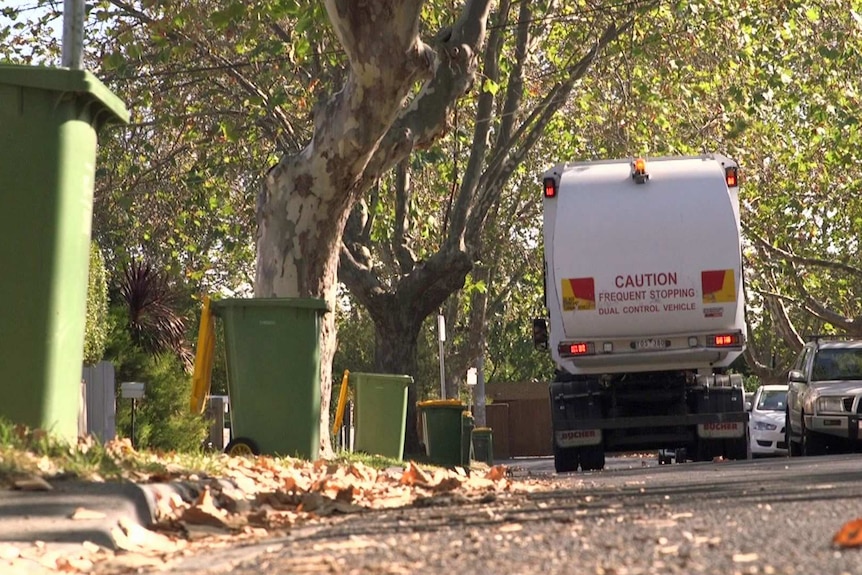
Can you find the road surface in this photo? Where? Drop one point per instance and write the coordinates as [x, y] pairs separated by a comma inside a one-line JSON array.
[[769, 516]]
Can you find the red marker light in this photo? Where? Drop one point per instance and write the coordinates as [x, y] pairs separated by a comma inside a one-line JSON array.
[[731, 176], [550, 187], [725, 340], [578, 348]]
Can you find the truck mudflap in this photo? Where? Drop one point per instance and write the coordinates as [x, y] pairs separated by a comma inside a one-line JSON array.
[[578, 437], [721, 430]]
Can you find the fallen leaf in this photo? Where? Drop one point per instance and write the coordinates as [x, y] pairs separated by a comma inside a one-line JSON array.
[[205, 512], [74, 565], [81, 514], [745, 557], [130, 536], [496, 473], [34, 483], [414, 475], [850, 534], [448, 483]]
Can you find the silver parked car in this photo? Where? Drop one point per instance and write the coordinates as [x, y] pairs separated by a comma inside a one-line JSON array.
[[824, 397]]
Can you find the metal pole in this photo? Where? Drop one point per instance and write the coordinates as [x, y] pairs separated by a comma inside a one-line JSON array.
[[73, 34], [441, 338], [134, 408]]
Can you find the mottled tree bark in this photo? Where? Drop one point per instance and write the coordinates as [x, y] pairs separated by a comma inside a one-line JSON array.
[[304, 204]]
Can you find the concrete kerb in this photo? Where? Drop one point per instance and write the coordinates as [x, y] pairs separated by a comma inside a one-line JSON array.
[[75, 511]]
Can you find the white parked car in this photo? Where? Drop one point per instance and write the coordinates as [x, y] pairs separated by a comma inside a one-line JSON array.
[[766, 420]]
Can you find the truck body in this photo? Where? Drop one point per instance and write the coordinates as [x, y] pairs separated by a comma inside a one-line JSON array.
[[643, 286]]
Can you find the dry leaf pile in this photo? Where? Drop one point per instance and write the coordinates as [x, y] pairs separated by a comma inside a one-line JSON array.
[[250, 499]]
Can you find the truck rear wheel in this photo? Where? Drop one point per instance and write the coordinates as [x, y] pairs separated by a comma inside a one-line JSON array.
[[738, 448], [565, 459], [593, 458], [708, 449]]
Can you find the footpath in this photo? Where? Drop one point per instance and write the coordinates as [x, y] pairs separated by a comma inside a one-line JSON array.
[[58, 525]]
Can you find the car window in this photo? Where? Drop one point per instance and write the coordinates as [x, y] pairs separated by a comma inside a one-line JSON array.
[[837, 364], [772, 400]]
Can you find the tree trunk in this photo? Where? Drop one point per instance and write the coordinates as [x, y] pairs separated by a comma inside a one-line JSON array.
[[396, 335], [307, 197]]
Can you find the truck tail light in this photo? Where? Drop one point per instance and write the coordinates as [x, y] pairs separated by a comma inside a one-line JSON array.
[[550, 185], [570, 349], [724, 340], [731, 176]]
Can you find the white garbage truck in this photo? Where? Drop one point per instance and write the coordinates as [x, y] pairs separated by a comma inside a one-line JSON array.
[[643, 287]]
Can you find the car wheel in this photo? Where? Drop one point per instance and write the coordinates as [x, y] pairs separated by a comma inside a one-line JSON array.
[[793, 449], [565, 459], [812, 442]]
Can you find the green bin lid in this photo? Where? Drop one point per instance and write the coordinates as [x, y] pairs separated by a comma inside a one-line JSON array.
[[65, 80], [441, 403], [304, 303]]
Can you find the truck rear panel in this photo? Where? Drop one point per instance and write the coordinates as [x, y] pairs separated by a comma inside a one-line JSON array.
[[644, 276]]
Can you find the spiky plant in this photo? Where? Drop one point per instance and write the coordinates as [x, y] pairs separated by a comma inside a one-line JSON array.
[[154, 323]]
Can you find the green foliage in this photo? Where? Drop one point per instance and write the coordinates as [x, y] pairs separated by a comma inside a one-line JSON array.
[[26, 452], [96, 326], [162, 420]]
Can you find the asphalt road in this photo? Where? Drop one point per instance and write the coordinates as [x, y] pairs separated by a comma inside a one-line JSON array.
[[747, 517]]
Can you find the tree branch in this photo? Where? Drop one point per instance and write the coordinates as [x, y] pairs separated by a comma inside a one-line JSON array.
[[400, 240], [802, 260]]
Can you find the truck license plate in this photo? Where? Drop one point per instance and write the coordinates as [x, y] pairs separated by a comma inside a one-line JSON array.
[[650, 344]]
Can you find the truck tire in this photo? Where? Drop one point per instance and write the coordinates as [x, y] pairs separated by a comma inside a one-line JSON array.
[[565, 459], [738, 448], [708, 449], [593, 458]]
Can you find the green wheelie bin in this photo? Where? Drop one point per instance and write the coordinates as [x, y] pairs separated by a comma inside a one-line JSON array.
[[483, 445], [442, 428], [49, 120], [381, 413], [272, 350]]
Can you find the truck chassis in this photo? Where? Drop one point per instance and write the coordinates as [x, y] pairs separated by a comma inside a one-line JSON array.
[[591, 415]]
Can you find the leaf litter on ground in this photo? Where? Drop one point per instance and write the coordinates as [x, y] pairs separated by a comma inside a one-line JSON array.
[[240, 498]]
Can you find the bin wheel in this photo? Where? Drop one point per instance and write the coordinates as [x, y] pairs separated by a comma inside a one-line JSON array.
[[242, 447]]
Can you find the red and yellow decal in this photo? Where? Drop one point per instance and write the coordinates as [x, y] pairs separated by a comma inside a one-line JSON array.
[[719, 286], [579, 294]]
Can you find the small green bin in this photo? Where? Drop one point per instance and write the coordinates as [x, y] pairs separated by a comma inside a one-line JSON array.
[[467, 424], [49, 120], [272, 349], [483, 445], [381, 413], [442, 428]]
